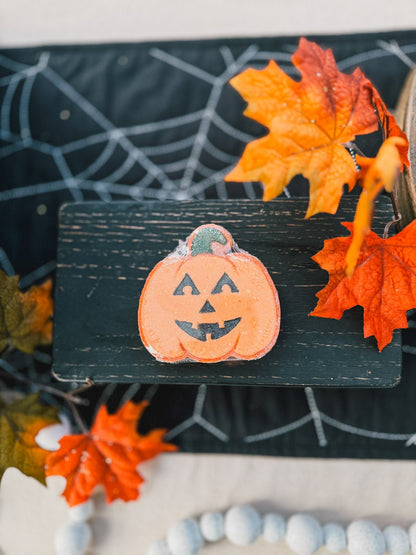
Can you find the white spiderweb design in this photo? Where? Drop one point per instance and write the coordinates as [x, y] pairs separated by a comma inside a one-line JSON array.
[[184, 176], [157, 180]]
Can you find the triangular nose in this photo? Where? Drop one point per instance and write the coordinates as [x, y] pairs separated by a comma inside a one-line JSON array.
[[207, 308]]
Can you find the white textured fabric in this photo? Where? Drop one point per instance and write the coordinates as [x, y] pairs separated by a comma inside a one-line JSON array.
[[47, 21], [185, 486]]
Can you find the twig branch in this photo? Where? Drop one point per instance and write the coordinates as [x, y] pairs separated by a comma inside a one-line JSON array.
[[7, 369], [388, 226], [77, 416], [88, 383]]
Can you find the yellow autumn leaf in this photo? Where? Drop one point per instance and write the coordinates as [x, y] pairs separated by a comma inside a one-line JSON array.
[[20, 422], [25, 318]]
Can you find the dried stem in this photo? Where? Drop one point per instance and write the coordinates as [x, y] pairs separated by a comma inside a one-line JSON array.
[[43, 387], [77, 416], [88, 383], [388, 226], [354, 148]]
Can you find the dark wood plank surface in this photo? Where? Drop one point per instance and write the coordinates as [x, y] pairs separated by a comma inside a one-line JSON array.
[[107, 250]]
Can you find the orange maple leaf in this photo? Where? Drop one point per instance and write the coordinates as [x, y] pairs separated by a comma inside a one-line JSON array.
[[107, 455], [375, 175], [389, 125], [309, 123], [384, 281]]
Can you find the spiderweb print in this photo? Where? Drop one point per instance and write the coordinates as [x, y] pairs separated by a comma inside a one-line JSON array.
[[169, 128], [157, 179]]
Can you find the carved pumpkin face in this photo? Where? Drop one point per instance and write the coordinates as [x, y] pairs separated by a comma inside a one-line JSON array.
[[209, 306]]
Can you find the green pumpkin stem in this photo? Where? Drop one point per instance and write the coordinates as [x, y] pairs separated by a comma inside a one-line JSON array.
[[202, 240]]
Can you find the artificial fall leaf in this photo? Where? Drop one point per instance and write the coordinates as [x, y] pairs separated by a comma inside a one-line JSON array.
[[20, 422], [375, 175], [309, 123], [389, 126], [383, 283], [108, 455], [25, 318]]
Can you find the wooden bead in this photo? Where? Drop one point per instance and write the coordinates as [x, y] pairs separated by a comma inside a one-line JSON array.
[[212, 526], [335, 538], [274, 528], [412, 538], [242, 525], [73, 538], [365, 538], [185, 538], [397, 540], [82, 512], [304, 534]]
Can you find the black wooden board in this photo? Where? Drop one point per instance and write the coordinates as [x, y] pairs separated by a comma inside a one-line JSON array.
[[106, 251]]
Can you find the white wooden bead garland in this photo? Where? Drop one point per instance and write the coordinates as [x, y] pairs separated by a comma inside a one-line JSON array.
[[75, 536], [242, 525]]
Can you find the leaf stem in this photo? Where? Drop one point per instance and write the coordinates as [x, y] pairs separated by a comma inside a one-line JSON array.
[[388, 225], [88, 383], [77, 416], [352, 147]]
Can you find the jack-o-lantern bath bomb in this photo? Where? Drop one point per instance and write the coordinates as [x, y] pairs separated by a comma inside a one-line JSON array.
[[208, 301]]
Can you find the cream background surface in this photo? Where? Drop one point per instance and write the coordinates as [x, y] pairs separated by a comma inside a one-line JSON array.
[[183, 485], [24, 22]]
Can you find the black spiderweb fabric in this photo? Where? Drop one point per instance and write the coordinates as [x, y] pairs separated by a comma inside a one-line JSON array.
[[159, 121]]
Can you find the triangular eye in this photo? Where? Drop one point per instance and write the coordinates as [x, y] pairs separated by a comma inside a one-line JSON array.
[[224, 280], [186, 282]]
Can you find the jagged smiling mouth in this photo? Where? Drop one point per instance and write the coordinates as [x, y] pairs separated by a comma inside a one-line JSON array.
[[213, 330]]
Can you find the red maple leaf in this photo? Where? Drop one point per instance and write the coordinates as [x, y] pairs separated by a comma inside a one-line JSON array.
[[108, 455], [383, 283], [389, 125]]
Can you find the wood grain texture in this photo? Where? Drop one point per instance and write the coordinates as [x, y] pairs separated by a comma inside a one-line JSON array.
[[107, 250]]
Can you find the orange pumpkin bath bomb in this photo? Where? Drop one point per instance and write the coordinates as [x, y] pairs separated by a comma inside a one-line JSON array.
[[208, 301]]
